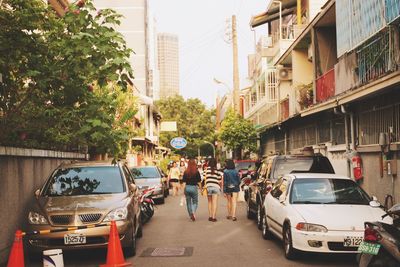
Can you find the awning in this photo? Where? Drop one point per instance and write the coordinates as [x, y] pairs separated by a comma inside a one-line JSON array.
[[288, 7]]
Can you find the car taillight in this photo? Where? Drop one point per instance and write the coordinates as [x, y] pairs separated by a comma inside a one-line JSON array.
[[371, 235]]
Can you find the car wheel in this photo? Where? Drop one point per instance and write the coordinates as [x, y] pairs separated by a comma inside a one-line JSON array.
[[290, 252], [130, 250], [250, 214], [259, 216], [34, 257], [139, 232], [264, 228]]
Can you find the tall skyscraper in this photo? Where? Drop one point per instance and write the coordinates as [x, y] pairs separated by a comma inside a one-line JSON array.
[[168, 64]]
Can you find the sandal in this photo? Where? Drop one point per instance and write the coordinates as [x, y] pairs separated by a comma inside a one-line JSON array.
[[210, 219], [229, 217], [234, 219]]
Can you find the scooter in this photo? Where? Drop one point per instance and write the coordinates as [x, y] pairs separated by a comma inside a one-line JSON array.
[[147, 204], [381, 245]]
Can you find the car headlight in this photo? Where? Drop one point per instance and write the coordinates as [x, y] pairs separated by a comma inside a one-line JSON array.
[[116, 215], [310, 227], [36, 218]]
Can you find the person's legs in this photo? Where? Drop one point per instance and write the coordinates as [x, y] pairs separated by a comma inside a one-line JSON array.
[[195, 198], [214, 205], [209, 198], [229, 204], [188, 200], [175, 189], [234, 202]]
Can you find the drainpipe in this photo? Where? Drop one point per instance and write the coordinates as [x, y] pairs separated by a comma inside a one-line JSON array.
[[298, 12], [346, 137]]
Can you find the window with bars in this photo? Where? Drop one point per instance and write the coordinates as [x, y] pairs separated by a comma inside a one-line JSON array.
[[378, 120]]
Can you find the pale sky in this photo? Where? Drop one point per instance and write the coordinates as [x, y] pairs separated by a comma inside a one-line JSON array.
[[201, 26]]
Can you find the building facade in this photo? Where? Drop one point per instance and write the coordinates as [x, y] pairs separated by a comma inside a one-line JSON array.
[[337, 89], [139, 30], [168, 64]]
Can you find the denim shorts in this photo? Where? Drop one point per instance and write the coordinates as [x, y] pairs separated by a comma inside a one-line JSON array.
[[212, 190]]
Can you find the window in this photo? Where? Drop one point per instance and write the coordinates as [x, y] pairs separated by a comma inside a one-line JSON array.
[[85, 181], [279, 188], [327, 191]]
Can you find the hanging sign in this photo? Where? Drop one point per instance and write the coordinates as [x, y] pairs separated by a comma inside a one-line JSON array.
[[178, 142]]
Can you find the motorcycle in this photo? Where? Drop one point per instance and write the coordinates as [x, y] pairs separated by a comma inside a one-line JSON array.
[[147, 204], [381, 241]]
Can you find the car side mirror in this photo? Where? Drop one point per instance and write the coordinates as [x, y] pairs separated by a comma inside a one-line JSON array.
[[374, 202], [37, 193], [133, 187]]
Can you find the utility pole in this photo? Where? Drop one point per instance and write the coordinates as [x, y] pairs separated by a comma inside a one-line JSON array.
[[235, 66]]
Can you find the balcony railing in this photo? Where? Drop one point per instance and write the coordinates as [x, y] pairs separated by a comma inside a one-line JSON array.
[[378, 56], [325, 86]]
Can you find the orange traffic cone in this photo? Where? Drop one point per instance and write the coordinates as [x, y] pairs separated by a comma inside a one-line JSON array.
[[115, 257], [16, 258]]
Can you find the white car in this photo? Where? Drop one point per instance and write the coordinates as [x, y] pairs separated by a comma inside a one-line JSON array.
[[318, 213]]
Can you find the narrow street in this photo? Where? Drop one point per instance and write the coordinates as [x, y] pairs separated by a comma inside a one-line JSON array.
[[224, 243]]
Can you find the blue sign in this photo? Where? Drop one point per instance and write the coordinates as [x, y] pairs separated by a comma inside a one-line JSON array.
[[178, 142]]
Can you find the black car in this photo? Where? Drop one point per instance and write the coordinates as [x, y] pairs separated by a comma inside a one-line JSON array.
[[271, 169]]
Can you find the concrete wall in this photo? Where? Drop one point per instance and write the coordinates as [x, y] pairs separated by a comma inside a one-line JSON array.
[[373, 183], [302, 67], [22, 171]]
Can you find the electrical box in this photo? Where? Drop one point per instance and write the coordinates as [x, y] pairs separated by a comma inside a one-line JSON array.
[[390, 166]]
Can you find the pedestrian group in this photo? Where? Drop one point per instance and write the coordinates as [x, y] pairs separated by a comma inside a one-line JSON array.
[[206, 176]]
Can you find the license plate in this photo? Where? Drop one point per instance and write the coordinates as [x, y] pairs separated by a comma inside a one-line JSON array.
[[74, 239], [369, 248], [352, 241]]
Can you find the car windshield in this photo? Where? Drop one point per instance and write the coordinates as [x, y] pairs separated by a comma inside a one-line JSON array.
[[327, 191], [85, 181], [145, 172], [299, 164], [245, 165]]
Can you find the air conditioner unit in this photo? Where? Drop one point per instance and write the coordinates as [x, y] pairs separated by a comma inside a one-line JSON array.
[[266, 41], [284, 74]]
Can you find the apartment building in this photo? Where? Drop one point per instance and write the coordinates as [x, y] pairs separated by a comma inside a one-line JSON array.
[[139, 30], [168, 64], [337, 90]]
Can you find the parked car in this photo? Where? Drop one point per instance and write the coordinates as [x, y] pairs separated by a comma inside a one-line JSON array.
[[274, 167], [245, 167], [318, 212], [151, 176], [81, 194]]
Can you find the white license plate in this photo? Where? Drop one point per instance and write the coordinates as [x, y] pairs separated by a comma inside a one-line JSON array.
[[74, 239], [352, 241]]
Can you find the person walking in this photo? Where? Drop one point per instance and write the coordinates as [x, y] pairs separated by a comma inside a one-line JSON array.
[[182, 168], [191, 179], [213, 183], [173, 177], [231, 184]]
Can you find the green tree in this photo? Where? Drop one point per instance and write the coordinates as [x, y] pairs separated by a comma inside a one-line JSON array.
[[64, 80], [238, 133], [194, 121]]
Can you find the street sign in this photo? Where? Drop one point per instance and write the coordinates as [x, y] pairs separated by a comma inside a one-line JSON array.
[[178, 142]]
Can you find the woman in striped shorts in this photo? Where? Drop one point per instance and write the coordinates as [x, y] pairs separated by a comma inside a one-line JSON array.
[[214, 179]]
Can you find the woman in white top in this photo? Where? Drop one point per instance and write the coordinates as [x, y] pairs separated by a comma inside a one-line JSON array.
[[213, 182], [173, 177]]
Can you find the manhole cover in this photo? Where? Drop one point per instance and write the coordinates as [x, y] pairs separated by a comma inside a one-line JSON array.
[[168, 252]]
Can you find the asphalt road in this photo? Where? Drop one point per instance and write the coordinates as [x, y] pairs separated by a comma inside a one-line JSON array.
[[221, 243]]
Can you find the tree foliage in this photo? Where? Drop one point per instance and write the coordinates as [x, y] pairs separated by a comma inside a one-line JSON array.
[[194, 121], [237, 132], [64, 79]]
